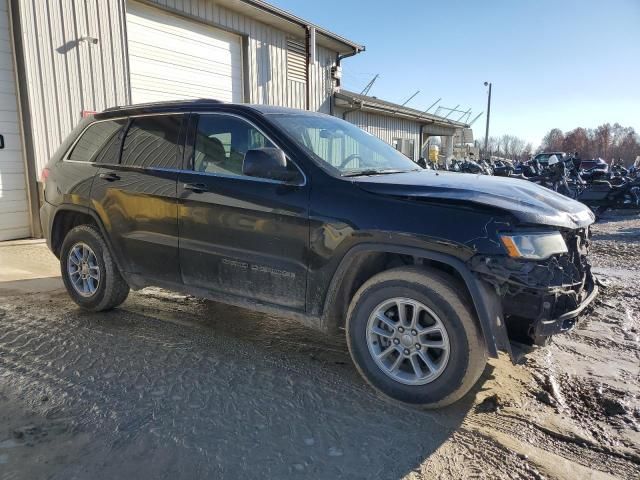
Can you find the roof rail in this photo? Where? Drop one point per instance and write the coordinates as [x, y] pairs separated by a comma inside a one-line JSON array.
[[168, 103]]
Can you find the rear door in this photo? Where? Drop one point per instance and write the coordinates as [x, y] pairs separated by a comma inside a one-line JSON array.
[[136, 198], [240, 235]]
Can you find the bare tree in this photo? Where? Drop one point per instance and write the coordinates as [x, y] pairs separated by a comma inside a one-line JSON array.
[[605, 141], [553, 141]]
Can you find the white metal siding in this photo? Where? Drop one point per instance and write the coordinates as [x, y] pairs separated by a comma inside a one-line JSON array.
[[66, 75], [387, 128], [171, 58], [14, 209]]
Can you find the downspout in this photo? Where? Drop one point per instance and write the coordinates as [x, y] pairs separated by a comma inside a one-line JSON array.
[[307, 71], [339, 59], [420, 142]]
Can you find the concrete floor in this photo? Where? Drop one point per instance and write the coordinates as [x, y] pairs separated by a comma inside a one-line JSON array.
[[27, 266]]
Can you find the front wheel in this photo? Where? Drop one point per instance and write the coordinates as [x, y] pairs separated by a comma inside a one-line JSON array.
[[89, 273], [413, 336]]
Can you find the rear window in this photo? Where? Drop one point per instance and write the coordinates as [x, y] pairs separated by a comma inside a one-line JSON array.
[[152, 142], [99, 143]]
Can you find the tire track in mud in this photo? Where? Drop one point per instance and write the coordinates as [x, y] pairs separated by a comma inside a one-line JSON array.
[[116, 372], [127, 373], [579, 450], [177, 387]]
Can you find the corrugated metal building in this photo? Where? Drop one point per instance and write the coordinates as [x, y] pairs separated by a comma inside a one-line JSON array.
[[405, 128], [61, 58]]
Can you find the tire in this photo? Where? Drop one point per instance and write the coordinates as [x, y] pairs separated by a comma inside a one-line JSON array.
[[440, 294], [110, 289]]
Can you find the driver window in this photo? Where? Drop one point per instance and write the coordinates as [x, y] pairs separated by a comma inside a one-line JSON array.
[[221, 143]]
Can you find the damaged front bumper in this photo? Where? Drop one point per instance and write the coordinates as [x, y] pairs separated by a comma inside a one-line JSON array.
[[541, 298]]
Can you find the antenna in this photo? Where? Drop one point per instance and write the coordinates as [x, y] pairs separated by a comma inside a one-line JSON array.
[[430, 107], [467, 113], [477, 117], [451, 110], [366, 89], [411, 97]]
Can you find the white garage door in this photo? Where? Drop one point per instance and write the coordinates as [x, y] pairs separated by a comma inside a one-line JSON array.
[[14, 212], [173, 58]]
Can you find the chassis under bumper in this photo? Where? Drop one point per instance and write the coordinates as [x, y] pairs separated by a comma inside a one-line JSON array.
[[566, 321]]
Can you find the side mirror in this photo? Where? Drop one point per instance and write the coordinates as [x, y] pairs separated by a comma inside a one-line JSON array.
[[422, 162], [269, 163]]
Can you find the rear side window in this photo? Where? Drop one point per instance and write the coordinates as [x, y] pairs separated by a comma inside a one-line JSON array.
[[152, 142], [99, 143]]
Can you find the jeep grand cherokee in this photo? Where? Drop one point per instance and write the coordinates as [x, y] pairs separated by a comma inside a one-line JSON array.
[[306, 216]]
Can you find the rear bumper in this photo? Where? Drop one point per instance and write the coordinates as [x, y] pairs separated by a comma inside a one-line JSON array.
[[47, 212]]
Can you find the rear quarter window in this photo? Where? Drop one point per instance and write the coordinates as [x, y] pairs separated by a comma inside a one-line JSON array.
[[99, 143]]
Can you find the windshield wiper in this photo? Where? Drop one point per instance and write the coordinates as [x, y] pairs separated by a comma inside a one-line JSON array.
[[363, 173]]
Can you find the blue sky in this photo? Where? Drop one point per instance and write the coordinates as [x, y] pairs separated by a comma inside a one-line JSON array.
[[562, 63]]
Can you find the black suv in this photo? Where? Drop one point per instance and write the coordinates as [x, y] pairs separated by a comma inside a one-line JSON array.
[[306, 216]]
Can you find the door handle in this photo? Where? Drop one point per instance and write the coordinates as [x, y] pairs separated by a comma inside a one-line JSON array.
[[196, 187], [1, 142], [109, 176]]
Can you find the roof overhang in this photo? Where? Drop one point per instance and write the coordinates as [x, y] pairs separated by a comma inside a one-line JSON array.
[[433, 124], [287, 22]]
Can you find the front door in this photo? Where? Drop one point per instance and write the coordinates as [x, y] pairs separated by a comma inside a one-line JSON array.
[[240, 235], [136, 197]]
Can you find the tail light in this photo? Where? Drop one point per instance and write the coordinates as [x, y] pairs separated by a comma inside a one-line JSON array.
[[43, 177]]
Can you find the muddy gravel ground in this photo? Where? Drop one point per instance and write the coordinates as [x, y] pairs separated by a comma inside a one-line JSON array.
[[169, 386]]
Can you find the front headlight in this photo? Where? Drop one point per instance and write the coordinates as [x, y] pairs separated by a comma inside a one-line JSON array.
[[534, 246]]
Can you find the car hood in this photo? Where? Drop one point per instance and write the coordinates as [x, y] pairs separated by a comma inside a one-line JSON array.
[[528, 202]]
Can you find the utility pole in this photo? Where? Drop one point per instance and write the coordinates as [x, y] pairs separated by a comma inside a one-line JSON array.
[[486, 134]]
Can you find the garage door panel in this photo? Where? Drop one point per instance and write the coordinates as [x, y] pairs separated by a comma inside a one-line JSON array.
[[154, 19], [149, 69], [200, 57], [222, 41], [11, 143], [13, 206], [15, 166], [9, 127], [174, 58], [14, 196], [11, 181], [157, 59], [10, 157], [14, 215], [13, 233], [168, 90], [7, 116], [8, 102]]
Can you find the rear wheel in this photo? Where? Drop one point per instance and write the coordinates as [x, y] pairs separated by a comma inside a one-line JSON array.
[[414, 338], [89, 272]]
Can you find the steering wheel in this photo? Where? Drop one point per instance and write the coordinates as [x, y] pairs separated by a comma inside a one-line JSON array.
[[349, 159]]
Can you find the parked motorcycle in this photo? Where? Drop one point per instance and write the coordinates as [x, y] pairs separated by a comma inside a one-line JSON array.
[[503, 169], [602, 196]]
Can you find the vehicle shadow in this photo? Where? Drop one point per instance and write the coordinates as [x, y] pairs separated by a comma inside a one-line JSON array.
[[202, 388]]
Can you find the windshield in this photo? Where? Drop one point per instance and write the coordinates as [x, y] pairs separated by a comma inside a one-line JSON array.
[[343, 146]]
